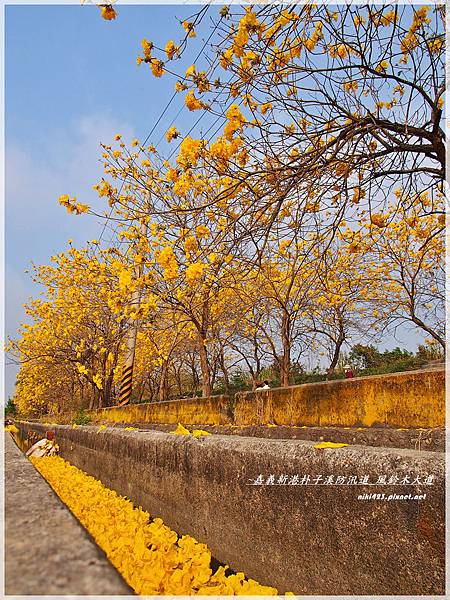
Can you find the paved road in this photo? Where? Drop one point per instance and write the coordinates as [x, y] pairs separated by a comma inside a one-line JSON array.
[[47, 552]]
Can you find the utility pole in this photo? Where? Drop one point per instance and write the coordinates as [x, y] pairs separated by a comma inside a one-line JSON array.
[[126, 383]]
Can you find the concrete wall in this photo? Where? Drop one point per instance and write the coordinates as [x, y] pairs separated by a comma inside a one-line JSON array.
[[306, 539], [190, 411], [410, 399]]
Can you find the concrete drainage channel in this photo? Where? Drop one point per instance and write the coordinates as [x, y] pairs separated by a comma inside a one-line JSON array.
[[65, 557], [47, 551], [313, 537]]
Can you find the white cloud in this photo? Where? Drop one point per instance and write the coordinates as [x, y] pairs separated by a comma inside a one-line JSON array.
[[36, 225], [69, 164], [18, 289]]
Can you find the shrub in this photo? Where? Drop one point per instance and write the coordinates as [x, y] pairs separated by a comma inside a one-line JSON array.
[[81, 418]]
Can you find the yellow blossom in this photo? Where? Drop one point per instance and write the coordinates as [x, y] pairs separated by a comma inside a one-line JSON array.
[[382, 66], [180, 87], [202, 231], [194, 272], [157, 67], [378, 220], [167, 260], [71, 205], [190, 71], [171, 49], [190, 244], [171, 133], [189, 28], [351, 86], [181, 430], [265, 107], [200, 432], [97, 379], [192, 102], [107, 12], [147, 48], [11, 429]]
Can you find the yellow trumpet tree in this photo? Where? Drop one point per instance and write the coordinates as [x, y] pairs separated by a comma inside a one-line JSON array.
[[407, 273], [77, 330], [347, 101]]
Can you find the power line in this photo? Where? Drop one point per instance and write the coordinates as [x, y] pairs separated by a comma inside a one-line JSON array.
[[203, 13]]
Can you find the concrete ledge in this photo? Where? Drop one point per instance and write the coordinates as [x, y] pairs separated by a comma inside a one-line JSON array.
[[410, 399], [386, 437], [47, 552], [319, 540], [209, 411]]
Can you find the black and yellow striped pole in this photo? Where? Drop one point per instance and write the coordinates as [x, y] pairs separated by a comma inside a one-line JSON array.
[[126, 383]]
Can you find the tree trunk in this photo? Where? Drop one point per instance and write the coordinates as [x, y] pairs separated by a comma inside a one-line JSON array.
[[337, 349], [256, 373], [195, 378], [224, 369], [179, 382], [285, 363], [141, 390], [204, 365], [91, 400], [107, 395], [96, 398], [430, 331], [163, 383], [151, 389]]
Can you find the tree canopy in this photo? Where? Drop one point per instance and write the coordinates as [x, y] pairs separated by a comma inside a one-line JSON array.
[[312, 218]]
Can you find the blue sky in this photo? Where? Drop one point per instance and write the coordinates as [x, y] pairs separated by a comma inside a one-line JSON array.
[[71, 82]]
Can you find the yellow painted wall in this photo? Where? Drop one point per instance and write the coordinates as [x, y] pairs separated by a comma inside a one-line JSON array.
[[411, 399], [205, 411]]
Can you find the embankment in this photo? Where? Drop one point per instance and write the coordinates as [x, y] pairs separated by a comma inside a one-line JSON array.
[[312, 538]]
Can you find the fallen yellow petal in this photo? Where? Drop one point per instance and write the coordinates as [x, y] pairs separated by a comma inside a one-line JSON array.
[[199, 432], [181, 430], [11, 429], [150, 556], [330, 445]]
